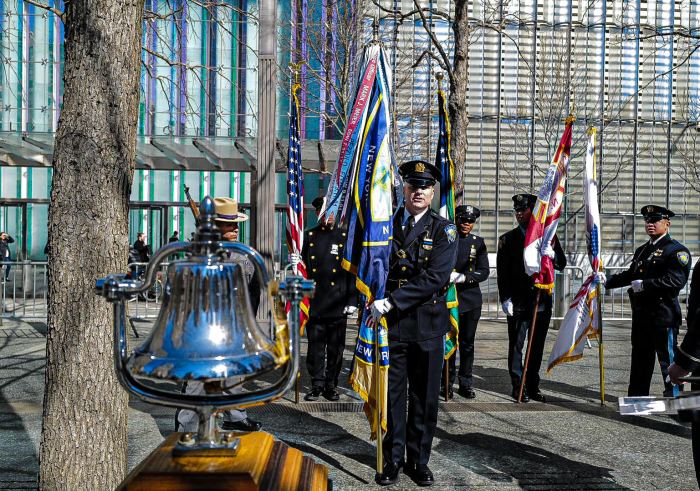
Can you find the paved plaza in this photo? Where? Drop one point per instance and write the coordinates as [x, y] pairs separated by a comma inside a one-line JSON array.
[[489, 443]]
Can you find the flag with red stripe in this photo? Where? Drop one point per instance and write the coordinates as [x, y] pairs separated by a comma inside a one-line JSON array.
[[295, 197], [545, 215]]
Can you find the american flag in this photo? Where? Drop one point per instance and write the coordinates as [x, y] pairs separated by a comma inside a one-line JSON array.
[[295, 197]]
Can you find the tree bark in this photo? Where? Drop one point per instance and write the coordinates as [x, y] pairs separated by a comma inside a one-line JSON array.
[[84, 427], [457, 103]]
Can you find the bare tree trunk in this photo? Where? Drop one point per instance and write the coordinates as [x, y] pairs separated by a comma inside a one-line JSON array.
[[457, 104], [84, 427]]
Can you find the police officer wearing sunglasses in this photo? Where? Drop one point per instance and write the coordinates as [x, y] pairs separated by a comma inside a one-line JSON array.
[[423, 254], [472, 268], [659, 270]]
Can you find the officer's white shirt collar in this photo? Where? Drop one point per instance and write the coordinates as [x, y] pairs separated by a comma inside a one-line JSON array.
[[416, 218], [653, 242]]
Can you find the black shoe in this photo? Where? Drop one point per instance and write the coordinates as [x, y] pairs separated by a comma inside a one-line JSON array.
[[314, 394], [242, 425], [420, 474], [390, 473], [331, 393], [516, 391], [467, 392], [450, 393], [536, 395]]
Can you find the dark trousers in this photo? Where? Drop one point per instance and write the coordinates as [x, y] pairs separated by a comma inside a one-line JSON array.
[[418, 365], [518, 330], [324, 357], [467, 332], [648, 343]]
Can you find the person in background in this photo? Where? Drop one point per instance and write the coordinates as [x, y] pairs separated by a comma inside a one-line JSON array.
[[5, 256], [322, 255], [227, 220], [471, 269], [175, 237], [659, 270], [517, 292]]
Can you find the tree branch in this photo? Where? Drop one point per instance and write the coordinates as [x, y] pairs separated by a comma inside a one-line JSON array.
[[53, 10]]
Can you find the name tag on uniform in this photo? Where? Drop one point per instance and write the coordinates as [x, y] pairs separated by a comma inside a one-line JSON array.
[[428, 244], [334, 249]]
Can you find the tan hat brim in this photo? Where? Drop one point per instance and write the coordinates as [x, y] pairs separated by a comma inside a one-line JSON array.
[[239, 217]]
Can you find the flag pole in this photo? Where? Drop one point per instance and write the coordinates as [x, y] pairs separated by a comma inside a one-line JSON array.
[[447, 379], [601, 366], [529, 344], [295, 68], [378, 400]]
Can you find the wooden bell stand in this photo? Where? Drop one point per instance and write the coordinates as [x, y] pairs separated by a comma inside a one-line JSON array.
[[259, 463]]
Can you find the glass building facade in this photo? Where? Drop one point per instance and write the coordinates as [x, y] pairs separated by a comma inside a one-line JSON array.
[[628, 67]]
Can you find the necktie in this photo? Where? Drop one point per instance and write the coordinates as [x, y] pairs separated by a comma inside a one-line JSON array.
[[409, 225]]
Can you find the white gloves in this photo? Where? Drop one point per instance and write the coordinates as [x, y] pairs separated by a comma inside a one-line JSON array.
[[507, 307], [294, 259], [456, 277], [549, 252], [349, 310], [603, 279], [637, 285], [380, 307]]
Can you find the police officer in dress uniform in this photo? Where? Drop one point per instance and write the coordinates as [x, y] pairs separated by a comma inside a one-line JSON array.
[[659, 270], [228, 217], [424, 250], [336, 299], [687, 360], [517, 293], [471, 269]]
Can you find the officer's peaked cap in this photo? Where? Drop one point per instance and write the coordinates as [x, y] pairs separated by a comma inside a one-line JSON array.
[[524, 200], [318, 202], [420, 173], [656, 211], [467, 211]]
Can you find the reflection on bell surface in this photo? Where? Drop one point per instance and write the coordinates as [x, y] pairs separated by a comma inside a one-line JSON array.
[[206, 330]]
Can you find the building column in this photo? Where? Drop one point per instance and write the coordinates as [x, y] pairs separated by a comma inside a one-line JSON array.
[[263, 179]]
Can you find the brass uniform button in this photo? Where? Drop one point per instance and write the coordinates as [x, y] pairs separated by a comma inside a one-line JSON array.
[[313, 257], [314, 270], [336, 257], [343, 234], [334, 270], [311, 244], [311, 233], [332, 283], [403, 268]]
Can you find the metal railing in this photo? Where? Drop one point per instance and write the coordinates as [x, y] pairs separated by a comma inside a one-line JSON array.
[[616, 305], [24, 293], [23, 289]]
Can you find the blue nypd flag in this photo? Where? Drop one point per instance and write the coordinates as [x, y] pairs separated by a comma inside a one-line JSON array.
[[369, 239]]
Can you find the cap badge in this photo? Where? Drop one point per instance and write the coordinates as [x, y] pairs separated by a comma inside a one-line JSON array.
[[420, 167]]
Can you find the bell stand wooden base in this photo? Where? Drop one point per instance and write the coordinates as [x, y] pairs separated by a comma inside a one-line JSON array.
[[259, 463]]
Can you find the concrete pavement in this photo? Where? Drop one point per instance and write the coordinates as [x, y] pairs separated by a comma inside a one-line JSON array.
[[489, 443]]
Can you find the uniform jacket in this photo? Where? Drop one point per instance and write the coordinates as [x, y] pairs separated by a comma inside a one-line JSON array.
[[473, 262], [664, 269], [513, 281], [688, 353], [419, 270], [251, 278], [335, 288]]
